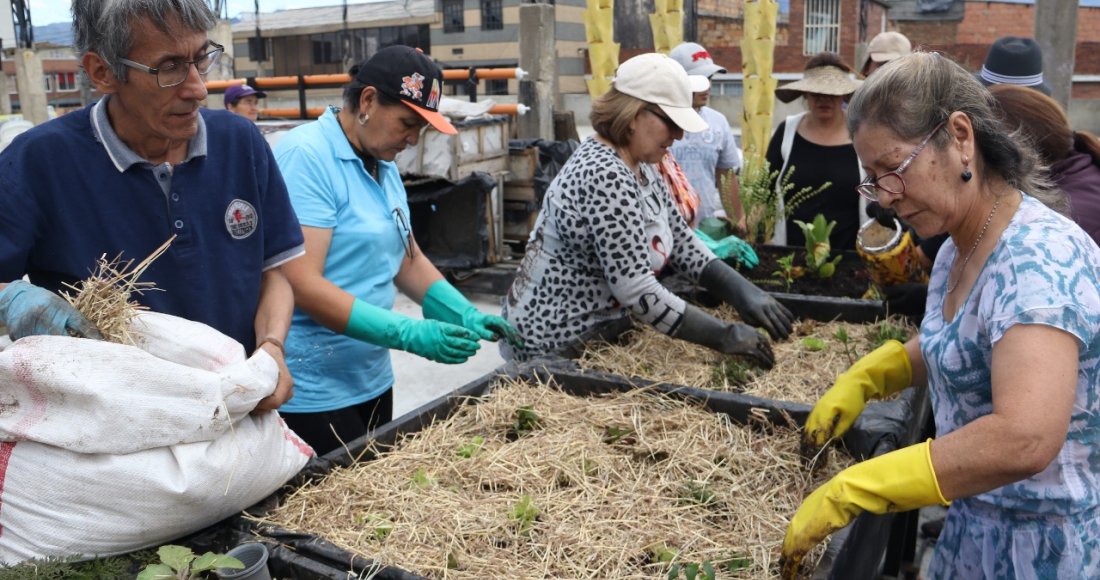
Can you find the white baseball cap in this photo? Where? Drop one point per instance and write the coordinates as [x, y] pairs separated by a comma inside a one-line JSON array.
[[655, 78], [699, 83]]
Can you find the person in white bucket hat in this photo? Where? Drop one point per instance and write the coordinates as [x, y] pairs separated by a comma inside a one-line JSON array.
[[608, 228]]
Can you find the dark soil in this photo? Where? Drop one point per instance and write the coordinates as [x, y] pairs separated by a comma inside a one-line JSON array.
[[851, 279]]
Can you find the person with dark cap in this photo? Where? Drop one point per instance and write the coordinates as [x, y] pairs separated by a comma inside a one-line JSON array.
[[360, 249], [1014, 60], [244, 101]]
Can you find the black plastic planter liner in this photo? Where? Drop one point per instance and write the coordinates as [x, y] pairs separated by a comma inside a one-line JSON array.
[[853, 555]]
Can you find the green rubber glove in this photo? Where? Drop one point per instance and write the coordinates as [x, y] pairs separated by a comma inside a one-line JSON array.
[[885, 371], [431, 339], [730, 247], [899, 481], [444, 302]]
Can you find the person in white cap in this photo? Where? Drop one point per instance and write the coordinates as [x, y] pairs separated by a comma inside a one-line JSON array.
[[608, 227], [883, 48], [710, 158]]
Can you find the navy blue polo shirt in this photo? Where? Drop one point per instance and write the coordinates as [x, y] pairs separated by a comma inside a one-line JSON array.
[[71, 192]]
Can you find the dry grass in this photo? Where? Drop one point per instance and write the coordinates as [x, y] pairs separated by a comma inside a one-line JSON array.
[[104, 297], [602, 487], [806, 364]]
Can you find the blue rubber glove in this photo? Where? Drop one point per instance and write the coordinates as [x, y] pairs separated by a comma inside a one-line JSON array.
[[730, 247], [431, 339], [29, 310], [444, 302]]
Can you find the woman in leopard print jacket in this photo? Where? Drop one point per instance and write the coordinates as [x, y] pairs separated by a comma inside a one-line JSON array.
[[608, 227]]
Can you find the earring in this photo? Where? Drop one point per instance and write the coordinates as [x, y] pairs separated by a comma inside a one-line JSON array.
[[966, 174], [363, 118]]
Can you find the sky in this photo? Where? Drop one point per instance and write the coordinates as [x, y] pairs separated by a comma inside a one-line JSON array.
[[50, 11]]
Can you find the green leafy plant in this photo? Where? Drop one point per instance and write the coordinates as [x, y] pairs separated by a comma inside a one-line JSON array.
[[614, 434], [180, 563], [692, 571], [470, 449], [761, 200], [699, 492], [526, 420], [380, 524], [787, 272], [888, 329], [421, 479], [846, 341], [525, 512], [731, 372], [125, 566], [813, 344], [818, 247]]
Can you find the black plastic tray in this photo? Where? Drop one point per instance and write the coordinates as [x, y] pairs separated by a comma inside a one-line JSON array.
[[853, 554]]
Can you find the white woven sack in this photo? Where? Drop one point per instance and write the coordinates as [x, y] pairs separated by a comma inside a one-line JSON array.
[[110, 448]]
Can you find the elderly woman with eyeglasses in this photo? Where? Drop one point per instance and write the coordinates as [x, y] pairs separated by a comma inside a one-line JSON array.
[[609, 226], [1009, 346], [351, 202]]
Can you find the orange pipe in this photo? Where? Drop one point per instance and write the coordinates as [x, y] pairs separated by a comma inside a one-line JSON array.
[[291, 82], [314, 112]]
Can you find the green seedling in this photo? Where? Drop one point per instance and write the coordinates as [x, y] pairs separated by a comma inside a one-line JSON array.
[[527, 420], [813, 344], [470, 449], [737, 563], [525, 513], [662, 553], [613, 435], [731, 372], [180, 563], [692, 571], [760, 199], [843, 338], [699, 492], [380, 524], [818, 247], [787, 272], [887, 330], [421, 479]]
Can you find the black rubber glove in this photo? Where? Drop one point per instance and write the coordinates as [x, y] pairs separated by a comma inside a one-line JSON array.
[[740, 339], [884, 216], [906, 299], [755, 306]]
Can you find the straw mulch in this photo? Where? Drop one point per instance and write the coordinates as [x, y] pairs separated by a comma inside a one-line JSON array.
[[104, 297], [806, 364], [600, 487]]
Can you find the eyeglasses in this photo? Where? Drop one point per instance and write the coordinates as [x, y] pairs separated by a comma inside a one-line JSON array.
[[672, 126], [403, 231], [173, 72], [892, 182]]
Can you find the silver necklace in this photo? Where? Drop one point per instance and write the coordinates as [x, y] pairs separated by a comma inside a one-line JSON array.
[[951, 287]]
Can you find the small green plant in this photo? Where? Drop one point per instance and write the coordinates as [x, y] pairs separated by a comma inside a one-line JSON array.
[[692, 571], [818, 247], [421, 479], [525, 512], [180, 563], [843, 338], [889, 330], [737, 562], [699, 492], [731, 372], [613, 435], [787, 272], [761, 199], [527, 420], [470, 449], [813, 344], [379, 523]]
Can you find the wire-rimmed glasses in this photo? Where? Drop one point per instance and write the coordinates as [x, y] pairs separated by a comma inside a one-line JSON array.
[[891, 181], [174, 71]]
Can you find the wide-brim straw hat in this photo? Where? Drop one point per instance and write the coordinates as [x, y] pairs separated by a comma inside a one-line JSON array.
[[822, 80]]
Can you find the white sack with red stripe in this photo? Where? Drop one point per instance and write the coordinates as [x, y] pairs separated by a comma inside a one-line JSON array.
[[108, 448]]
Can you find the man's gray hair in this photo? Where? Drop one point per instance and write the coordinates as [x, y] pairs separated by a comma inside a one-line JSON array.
[[106, 27]]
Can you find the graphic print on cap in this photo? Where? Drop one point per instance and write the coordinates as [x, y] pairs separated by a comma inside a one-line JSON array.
[[412, 86], [433, 96]]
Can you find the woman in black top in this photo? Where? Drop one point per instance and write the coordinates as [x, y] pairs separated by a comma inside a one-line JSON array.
[[821, 152]]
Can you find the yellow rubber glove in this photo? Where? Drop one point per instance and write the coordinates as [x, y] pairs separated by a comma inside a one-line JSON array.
[[883, 372], [898, 481]]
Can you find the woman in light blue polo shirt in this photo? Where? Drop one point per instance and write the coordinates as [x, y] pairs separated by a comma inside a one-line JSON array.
[[351, 203]]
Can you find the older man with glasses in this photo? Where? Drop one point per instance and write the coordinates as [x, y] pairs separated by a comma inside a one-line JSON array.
[[145, 163]]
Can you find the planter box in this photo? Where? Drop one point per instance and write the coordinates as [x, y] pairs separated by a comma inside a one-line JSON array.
[[854, 554]]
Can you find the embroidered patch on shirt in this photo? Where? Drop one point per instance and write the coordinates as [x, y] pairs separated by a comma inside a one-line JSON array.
[[240, 219]]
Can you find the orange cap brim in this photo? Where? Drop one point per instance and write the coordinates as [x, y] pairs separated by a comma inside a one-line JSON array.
[[434, 119]]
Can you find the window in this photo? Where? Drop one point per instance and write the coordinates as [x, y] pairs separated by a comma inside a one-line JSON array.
[[496, 87], [822, 29], [324, 53], [326, 49], [453, 18], [492, 17], [65, 82]]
